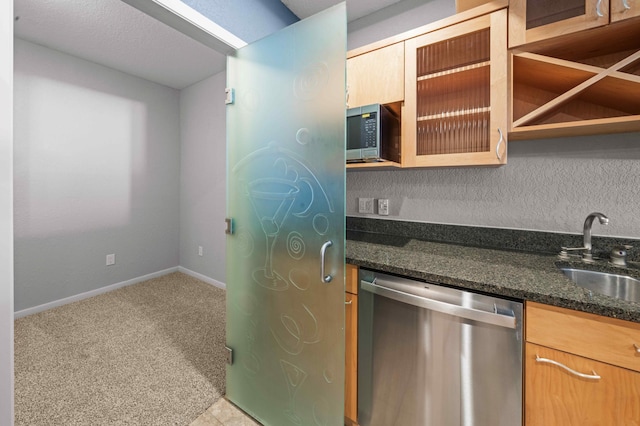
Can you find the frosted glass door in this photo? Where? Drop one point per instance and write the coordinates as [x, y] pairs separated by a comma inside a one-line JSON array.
[[286, 189]]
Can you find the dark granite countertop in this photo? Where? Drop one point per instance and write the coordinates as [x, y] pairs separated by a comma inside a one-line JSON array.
[[512, 274]]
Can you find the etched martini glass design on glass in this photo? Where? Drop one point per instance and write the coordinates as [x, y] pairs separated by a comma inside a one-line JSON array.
[[272, 199], [294, 377]]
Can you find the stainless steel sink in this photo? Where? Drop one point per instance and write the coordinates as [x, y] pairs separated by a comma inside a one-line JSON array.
[[614, 285]]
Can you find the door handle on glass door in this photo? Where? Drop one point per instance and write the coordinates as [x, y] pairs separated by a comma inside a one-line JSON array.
[[323, 250]]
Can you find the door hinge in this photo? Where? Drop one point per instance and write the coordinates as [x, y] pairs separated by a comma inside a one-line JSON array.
[[229, 226], [230, 96], [229, 355]]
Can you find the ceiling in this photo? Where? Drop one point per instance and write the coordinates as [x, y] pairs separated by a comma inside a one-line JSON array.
[[114, 34], [355, 9]]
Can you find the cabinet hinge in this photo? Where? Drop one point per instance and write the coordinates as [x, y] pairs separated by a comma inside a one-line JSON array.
[[230, 96], [229, 226], [229, 355]]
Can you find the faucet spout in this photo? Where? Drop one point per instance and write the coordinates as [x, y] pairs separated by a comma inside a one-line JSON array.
[[588, 222]]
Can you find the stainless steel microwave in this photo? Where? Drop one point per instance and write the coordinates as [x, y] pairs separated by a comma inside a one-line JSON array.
[[373, 134]]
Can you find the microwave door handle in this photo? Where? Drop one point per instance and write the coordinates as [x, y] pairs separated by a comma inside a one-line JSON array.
[[439, 306]]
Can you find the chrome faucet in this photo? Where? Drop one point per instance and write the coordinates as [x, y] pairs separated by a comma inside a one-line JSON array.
[[587, 256], [586, 231]]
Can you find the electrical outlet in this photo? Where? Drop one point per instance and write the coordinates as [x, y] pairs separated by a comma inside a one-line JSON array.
[[111, 259], [365, 205], [200, 251], [383, 207]]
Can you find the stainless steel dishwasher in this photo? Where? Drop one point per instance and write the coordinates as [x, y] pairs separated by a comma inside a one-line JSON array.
[[430, 355]]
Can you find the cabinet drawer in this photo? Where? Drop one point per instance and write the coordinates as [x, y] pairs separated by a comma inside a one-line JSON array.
[[555, 396], [604, 339]]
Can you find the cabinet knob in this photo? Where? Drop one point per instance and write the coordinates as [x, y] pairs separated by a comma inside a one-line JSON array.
[[637, 348]]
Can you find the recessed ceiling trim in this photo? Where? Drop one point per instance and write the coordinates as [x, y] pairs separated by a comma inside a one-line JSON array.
[[355, 9], [190, 22]]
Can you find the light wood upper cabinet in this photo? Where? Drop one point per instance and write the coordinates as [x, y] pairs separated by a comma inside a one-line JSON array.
[[580, 84], [580, 369], [455, 112], [462, 5], [624, 9], [535, 20], [376, 77], [452, 115]]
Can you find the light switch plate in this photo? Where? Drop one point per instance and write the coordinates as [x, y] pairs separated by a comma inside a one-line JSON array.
[[365, 205]]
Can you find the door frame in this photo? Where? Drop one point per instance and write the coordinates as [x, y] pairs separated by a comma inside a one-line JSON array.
[[6, 213]]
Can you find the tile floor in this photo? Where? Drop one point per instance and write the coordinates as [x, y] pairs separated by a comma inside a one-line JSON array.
[[224, 413]]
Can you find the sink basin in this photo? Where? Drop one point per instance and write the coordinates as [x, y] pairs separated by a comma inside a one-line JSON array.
[[614, 285]]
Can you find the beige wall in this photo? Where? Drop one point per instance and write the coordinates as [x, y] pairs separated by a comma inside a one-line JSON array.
[[97, 159]]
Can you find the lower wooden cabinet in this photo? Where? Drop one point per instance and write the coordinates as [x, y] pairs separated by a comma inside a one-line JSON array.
[[580, 369], [557, 396], [351, 346], [351, 359]]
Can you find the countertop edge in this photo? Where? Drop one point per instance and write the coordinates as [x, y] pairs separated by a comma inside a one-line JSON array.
[[549, 286]]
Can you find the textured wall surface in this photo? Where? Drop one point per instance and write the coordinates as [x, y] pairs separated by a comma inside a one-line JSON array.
[[203, 177], [97, 157], [547, 185]]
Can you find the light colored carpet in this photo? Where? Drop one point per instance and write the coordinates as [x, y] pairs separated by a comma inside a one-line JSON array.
[[148, 354]]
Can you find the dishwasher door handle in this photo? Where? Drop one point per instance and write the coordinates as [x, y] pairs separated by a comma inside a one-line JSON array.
[[438, 306]]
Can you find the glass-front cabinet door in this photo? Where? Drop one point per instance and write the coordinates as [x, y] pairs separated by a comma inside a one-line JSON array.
[[624, 9], [456, 86], [285, 199], [533, 20]]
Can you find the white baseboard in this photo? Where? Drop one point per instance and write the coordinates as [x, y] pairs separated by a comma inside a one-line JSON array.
[[201, 277], [96, 292]]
